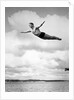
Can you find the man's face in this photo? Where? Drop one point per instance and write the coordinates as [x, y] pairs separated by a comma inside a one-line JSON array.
[[31, 25]]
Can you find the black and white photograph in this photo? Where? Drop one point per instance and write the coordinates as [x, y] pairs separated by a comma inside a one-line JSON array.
[[36, 50]]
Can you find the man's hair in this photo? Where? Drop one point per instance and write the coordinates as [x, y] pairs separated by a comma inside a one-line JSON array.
[[31, 23]]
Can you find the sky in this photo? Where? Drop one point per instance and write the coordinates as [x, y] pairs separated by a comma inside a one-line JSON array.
[[29, 57]]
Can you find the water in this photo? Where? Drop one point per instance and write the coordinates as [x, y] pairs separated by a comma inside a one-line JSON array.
[[37, 86]]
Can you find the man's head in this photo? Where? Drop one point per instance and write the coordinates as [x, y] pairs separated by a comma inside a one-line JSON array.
[[31, 25]]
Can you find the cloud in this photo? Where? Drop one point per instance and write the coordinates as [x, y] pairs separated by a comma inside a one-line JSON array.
[[16, 43], [21, 19], [36, 58], [34, 63], [11, 42]]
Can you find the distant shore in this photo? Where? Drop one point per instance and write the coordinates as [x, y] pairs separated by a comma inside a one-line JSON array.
[[30, 80]]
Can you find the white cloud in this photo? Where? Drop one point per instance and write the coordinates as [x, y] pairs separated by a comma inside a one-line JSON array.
[[11, 42], [16, 44], [35, 64], [21, 19], [36, 58]]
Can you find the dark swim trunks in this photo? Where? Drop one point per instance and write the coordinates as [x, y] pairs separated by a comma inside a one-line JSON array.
[[42, 35]]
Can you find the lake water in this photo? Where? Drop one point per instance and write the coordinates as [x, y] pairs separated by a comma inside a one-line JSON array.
[[37, 86]]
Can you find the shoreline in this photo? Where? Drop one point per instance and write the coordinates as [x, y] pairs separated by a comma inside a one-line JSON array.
[[36, 80]]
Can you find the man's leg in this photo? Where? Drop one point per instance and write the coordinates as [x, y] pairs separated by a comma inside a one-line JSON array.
[[46, 36]]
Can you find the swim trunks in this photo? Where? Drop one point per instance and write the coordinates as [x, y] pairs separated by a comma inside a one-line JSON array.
[[42, 35]]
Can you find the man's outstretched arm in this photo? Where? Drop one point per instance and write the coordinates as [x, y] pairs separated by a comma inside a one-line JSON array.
[[41, 24], [26, 32]]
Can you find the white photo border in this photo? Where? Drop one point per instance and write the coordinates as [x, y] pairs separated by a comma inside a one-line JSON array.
[[36, 95]]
